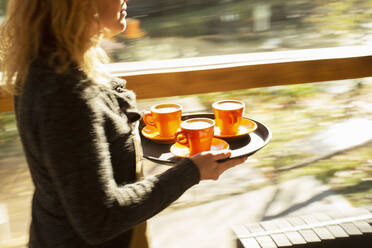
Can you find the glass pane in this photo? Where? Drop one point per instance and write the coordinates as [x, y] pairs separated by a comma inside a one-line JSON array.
[[322, 129], [2, 8], [168, 29]]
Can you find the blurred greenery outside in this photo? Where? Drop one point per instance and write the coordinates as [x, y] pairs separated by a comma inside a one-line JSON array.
[[178, 29], [230, 27], [291, 112]]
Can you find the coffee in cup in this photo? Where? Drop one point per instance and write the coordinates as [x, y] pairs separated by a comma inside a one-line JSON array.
[[165, 117], [197, 134], [228, 115]]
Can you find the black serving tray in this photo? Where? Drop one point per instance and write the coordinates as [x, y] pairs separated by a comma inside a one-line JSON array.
[[242, 146]]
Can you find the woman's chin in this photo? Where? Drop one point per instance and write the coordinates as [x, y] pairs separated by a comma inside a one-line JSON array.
[[117, 30], [122, 26]]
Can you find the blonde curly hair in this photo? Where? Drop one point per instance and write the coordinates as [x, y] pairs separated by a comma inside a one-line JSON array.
[[61, 28]]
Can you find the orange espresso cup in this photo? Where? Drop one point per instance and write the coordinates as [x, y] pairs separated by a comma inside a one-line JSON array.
[[166, 118], [197, 134], [228, 115]]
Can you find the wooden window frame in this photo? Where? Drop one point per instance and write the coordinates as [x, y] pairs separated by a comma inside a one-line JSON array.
[[177, 77]]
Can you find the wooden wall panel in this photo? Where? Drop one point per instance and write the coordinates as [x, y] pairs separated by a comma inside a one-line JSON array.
[[6, 104], [234, 77], [245, 77]]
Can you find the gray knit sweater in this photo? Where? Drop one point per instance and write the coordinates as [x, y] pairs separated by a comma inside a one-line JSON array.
[[77, 138]]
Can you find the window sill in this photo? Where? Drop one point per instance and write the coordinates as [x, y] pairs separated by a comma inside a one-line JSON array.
[[153, 79]]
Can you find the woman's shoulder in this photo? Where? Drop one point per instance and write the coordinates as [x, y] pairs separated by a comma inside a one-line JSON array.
[[40, 69], [47, 80]]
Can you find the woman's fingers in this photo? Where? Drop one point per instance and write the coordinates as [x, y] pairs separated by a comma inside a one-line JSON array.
[[218, 155], [209, 164], [223, 166]]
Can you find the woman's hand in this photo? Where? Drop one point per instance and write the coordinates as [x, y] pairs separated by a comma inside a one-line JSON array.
[[210, 168]]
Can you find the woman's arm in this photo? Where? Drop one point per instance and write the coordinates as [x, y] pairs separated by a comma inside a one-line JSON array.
[[76, 154]]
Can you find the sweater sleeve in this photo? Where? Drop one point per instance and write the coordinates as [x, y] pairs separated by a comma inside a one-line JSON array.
[[76, 155]]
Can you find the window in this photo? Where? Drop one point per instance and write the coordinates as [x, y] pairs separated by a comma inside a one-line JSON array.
[[261, 30], [168, 29], [321, 141], [2, 9]]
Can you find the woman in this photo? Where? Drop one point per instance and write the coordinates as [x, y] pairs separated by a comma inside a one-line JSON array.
[[78, 128]]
